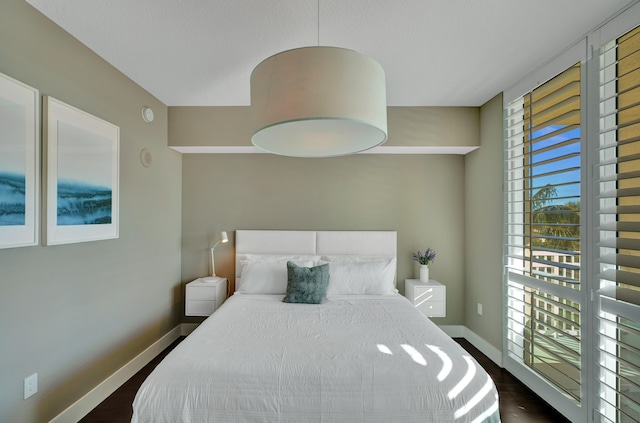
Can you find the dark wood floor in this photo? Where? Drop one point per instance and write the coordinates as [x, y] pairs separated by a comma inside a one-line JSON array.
[[117, 407], [517, 402]]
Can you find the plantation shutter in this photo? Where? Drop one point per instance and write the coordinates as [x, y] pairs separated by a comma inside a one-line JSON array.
[[544, 179], [543, 144], [543, 238], [618, 231]]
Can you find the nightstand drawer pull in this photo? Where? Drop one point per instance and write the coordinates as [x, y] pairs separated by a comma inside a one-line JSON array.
[[432, 309]]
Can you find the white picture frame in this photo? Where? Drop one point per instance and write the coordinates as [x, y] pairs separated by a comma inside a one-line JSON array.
[[81, 164], [19, 164]]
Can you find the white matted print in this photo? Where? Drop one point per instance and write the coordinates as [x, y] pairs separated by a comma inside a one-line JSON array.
[[81, 166], [19, 163]]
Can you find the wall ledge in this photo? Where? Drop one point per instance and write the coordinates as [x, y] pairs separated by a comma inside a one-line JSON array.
[[398, 150]]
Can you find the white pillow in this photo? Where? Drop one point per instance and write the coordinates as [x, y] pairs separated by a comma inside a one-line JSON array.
[[362, 277], [353, 258], [260, 277], [273, 258]]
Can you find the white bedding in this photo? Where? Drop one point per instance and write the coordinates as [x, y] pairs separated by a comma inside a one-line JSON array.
[[349, 359]]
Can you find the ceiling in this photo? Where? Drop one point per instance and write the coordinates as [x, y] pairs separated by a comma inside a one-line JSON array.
[[434, 52]]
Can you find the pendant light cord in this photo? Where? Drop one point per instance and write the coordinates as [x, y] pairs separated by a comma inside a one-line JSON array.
[[318, 23]]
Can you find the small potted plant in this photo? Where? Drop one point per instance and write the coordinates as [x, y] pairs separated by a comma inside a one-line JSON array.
[[424, 259]]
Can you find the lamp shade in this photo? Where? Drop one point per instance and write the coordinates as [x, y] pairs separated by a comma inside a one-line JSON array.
[[318, 102]]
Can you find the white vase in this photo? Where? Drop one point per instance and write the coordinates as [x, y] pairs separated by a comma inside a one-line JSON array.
[[424, 273]]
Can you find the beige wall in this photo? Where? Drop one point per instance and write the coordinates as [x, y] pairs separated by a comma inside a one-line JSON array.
[[483, 227], [76, 313], [420, 196]]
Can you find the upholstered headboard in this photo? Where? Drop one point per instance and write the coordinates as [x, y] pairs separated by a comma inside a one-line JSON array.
[[351, 243]]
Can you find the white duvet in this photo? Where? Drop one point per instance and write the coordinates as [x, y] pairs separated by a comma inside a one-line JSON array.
[[350, 359]]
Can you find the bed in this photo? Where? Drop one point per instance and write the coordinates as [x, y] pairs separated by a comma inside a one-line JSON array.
[[363, 354]]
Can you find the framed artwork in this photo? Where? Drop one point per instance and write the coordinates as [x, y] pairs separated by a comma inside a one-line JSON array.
[[19, 164], [81, 167]]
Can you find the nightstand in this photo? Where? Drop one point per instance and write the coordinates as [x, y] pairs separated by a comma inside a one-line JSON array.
[[428, 297], [205, 295]]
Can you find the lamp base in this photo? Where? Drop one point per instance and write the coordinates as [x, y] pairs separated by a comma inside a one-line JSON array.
[[211, 278]]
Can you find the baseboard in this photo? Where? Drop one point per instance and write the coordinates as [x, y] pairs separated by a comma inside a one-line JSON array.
[[187, 328], [459, 331], [454, 331], [93, 398], [485, 348]]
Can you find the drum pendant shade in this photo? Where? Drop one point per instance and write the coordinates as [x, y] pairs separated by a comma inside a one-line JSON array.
[[318, 102]]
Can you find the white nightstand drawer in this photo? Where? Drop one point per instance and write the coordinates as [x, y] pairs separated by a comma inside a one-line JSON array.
[[196, 293], [203, 296], [423, 293], [432, 309], [428, 297], [200, 308]]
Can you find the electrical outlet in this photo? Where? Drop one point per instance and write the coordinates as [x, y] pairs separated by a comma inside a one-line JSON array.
[[480, 309], [30, 385]]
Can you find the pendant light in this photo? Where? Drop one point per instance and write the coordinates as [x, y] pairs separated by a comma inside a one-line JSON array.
[[318, 102]]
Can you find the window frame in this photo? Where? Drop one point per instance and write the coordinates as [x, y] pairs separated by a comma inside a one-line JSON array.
[[585, 50], [576, 412]]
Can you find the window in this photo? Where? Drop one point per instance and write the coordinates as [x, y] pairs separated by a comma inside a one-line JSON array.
[[543, 175], [572, 226]]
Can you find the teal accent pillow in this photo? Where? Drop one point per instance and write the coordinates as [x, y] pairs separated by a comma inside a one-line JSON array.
[[307, 285]]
